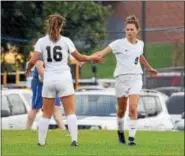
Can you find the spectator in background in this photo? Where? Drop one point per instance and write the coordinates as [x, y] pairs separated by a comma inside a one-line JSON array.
[[30, 77]]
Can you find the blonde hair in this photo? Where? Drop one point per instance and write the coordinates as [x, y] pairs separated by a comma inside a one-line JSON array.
[[55, 24]]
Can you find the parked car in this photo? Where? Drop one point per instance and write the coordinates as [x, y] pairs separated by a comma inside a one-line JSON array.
[[15, 86], [180, 125], [97, 110], [165, 96], [14, 108], [92, 87], [169, 90], [175, 106]]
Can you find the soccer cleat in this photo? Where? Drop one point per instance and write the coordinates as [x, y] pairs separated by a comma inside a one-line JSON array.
[[41, 145], [121, 137], [74, 143], [131, 141]]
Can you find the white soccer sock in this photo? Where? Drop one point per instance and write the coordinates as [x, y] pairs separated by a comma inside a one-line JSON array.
[[72, 126], [43, 128], [120, 122], [132, 128]]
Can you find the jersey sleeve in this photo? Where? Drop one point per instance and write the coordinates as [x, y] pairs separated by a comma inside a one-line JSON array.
[[114, 45], [37, 46], [71, 46]]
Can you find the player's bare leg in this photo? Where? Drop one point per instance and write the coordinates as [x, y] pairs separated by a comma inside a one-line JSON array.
[[69, 107], [31, 117], [122, 105], [58, 117]]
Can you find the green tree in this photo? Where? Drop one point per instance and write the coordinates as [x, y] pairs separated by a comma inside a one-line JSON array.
[[21, 20], [85, 21], [25, 20]]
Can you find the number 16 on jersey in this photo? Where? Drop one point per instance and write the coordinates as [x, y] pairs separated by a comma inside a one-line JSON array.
[[56, 52]]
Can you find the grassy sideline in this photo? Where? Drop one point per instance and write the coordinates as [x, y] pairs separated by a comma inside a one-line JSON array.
[[24, 143]]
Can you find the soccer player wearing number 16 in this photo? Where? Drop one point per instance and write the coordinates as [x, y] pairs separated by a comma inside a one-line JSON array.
[[128, 74], [55, 50]]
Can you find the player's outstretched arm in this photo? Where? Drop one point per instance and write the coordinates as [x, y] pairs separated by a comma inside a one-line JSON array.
[[103, 52], [40, 67], [152, 71], [85, 58]]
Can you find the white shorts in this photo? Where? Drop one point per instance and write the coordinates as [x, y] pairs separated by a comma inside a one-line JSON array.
[[126, 85], [62, 86]]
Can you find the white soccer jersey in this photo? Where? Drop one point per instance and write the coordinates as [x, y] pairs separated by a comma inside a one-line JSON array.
[[55, 55], [127, 56]]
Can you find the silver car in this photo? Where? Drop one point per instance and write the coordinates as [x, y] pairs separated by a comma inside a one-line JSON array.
[[15, 104], [180, 125], [175, 106]]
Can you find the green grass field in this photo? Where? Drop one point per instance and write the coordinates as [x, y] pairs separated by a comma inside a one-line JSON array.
[[158, 55], [24, 143]]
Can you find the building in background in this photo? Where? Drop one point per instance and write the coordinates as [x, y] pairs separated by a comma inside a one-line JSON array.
[[164, 20]]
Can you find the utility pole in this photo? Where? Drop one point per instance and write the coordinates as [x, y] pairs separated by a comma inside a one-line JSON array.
[[143, 15]]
